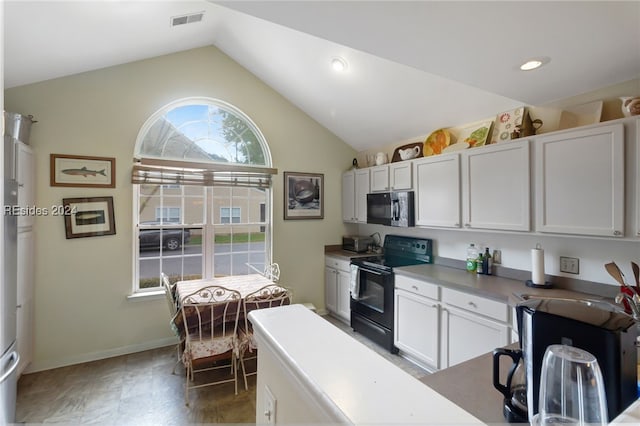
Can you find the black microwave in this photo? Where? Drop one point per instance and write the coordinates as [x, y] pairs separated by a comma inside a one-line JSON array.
[[391, 208]]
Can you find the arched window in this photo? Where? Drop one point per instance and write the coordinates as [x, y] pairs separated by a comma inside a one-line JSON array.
[[202, 197]]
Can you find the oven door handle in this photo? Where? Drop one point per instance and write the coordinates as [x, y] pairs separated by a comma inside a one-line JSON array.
[[372, 271]]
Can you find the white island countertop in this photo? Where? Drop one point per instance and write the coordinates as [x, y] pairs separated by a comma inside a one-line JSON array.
[[348, 381]]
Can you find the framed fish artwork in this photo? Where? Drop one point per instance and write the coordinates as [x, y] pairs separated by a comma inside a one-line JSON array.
[[88, 217], [83, 171]]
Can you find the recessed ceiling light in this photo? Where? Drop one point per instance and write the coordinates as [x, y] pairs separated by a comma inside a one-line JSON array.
[[532, 64], [338, 64]]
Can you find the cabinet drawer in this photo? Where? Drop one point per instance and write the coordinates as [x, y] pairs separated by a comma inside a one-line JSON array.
[[476, 304], [418, 287], [335, 263]]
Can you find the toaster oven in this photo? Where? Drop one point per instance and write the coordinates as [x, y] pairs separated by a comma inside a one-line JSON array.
[[356, 243]]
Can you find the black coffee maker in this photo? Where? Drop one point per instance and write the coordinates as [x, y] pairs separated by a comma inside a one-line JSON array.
[[598, 327]]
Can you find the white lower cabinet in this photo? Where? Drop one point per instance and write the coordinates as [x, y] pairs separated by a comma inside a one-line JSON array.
[[466, 335], [417, 321], [438, 327], [337, 276], [471, 326]]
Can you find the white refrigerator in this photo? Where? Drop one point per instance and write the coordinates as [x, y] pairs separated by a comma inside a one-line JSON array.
[[8, 291]]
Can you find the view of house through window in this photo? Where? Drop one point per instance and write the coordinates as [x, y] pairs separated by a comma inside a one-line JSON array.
[[201, 231]]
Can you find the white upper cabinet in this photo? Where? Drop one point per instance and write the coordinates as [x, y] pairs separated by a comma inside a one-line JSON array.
[[355, 187], [400, 175], [496, 187], [437, 190], [348, 196], [580, 182], [362, 189], [379, 178]]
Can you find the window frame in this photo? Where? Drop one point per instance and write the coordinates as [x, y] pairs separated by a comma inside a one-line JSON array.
[[209, 223]]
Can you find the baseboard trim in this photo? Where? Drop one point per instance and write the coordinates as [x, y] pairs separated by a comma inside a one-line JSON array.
[[36, 366]]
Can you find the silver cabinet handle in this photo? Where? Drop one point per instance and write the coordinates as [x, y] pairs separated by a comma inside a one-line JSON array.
[[466, 225], [456, 224], [473, 305], [415, 287], [617, 233]]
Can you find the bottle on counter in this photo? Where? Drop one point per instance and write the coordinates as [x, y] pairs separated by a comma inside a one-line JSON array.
[[472, 258], [480, 264], [487, 261]]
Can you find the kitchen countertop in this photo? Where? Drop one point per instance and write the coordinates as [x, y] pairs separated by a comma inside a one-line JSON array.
[[469, 385], [501, 289], [347, 255], [346, 380]]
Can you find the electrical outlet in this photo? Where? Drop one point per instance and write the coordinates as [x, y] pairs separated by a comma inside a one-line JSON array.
[[570, 265]]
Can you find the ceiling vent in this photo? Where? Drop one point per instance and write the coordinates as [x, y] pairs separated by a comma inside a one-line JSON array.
[[186, 19]]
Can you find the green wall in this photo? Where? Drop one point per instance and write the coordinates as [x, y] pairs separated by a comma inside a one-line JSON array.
[[82, 311]]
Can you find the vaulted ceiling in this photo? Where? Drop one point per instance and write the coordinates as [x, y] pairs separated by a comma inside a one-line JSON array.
[[412, 67]]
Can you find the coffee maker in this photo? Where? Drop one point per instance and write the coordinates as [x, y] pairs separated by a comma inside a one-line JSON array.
[[598, 327]]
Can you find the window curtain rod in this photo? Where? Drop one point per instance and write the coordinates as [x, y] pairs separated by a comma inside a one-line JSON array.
[[174, 172]]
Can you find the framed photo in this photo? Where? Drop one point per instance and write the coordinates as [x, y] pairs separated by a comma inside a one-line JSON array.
[[88, 217], [303, 195], [83, 171]]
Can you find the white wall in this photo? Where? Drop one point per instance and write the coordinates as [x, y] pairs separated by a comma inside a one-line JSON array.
[[82, 310]]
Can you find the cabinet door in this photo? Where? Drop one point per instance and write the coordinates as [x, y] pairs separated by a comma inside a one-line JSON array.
[[25, 176], [348, 197], [416, 327], [466, 336], [580, 182], [437, 191], [343, 304], [380, 178], [330, 289], [361, 191], [25, 311], [496, 187], [400, 175]]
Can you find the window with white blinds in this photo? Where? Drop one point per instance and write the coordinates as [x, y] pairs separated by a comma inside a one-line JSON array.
[[202, 180]]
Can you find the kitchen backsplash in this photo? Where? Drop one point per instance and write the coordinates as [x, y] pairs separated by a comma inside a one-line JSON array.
[[450, 246]]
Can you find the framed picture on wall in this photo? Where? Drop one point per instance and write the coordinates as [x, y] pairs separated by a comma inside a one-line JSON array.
[[88, 217], [303, 195], [82, 171]]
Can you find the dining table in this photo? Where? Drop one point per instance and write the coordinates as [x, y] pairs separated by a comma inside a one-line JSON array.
[[243, 284]]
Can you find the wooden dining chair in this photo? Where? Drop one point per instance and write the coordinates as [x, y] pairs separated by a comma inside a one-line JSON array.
[[210, 320], [272, 272], [269, 296]]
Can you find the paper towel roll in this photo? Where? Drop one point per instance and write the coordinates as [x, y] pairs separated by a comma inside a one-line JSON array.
[[537, 265]]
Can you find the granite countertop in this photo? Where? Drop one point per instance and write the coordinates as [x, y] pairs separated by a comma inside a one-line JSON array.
[[505, 290]]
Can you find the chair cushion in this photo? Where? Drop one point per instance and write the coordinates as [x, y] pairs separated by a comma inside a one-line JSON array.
[[204, 348]]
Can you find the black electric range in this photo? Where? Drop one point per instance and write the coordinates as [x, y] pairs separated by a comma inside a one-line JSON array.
[[372, 288]]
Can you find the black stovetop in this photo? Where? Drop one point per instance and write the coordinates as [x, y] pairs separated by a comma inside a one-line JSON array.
[[399, 251]]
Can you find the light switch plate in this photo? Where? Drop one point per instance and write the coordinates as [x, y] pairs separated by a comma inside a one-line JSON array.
[[570, 265]]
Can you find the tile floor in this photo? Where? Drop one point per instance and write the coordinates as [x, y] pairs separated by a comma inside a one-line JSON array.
[[139, 389]]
